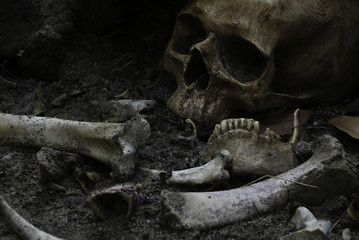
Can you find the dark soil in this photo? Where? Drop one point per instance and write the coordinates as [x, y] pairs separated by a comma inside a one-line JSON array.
[[102, 64]]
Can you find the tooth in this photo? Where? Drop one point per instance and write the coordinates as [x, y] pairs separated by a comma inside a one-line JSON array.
[[217, 129], [250, 124], [242, 123], [232, 124], [236, 124], [277, 136], [224, 126], [270, 133], [256, 126]]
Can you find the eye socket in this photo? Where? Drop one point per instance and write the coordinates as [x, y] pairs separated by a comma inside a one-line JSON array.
[[189, 31], [242, 59]]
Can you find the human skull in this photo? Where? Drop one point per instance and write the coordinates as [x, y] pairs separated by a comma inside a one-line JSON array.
[[236, 56]]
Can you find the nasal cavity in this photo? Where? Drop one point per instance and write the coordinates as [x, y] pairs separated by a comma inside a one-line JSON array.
[[196, 73], [242, 59]]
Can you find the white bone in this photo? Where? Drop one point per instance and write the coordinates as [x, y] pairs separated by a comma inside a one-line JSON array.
[[22, 227], [308, 226], [346, 234], [211, 173], [114, 144], [327, 168]]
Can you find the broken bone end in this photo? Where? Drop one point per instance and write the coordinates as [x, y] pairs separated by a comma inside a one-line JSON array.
[[213, 172], [171, 208]]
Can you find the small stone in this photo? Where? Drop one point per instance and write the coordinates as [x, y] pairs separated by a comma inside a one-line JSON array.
[[55, 164], [6, 158]]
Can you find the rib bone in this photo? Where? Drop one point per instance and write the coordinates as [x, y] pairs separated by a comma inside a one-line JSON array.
[[114, 144], [22, 227], [327, 169]]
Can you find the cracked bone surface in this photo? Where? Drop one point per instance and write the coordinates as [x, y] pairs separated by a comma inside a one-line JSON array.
[[114, 144], [328, 169], [22, 227], [252, 153], [211, 173]]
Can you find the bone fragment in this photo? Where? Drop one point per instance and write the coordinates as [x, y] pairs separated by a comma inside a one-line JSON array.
[[213, 172], [22, 227], [152, 174], [308, 226], [113, 144], [346, 234], [119, 200], [328, 169], [253, 153]]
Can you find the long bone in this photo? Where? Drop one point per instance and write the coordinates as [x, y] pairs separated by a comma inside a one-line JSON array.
[[113, 144], [328, 169]]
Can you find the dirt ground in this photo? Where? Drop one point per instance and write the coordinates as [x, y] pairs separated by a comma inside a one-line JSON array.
[[102, 66]]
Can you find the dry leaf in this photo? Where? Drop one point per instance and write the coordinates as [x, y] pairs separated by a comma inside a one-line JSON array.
[[124, 94], [39, 107], [60, 100], [75, 92], [352, 217], [348, 124]]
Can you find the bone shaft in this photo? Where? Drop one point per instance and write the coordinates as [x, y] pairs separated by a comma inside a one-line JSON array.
[[73, 136], [22, 227]]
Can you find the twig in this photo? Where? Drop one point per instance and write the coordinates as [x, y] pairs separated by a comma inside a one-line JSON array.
[[193, 125], [22, 227], [269, 176], [121, 68], [7, 81], [334, 225], [168, 119], [7, 71], [155, 83]]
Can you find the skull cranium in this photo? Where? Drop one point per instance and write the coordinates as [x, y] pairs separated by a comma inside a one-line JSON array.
[[239, 56]]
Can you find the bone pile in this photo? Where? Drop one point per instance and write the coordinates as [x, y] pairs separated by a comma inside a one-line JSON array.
[[327, 173]]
